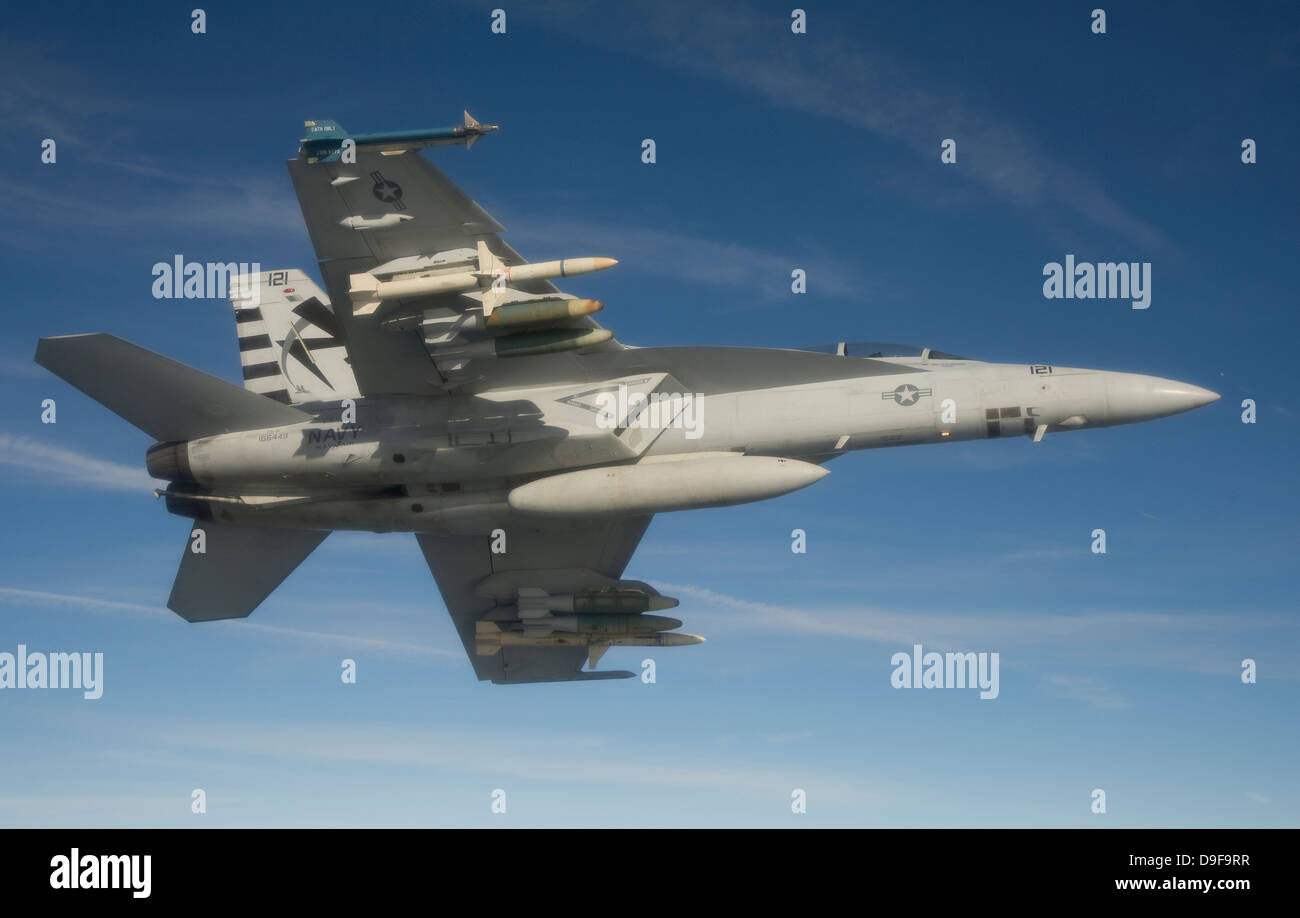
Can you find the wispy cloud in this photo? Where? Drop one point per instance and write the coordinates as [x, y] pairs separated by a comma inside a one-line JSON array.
[[891, 626], [86, 120], [400, 648], [697, 259], [852, 81], [39, 97], [1040, 554], [782, 739], [41, 599], [56, 465], [236, 207], [1087, 689], [536, 757], [1189, 642], [21, 368]]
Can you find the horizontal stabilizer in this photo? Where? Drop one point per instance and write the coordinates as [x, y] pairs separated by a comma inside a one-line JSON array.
[[239, 567], [167, 400]]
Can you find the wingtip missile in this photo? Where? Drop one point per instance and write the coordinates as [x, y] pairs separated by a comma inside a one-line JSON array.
[[325, 139]]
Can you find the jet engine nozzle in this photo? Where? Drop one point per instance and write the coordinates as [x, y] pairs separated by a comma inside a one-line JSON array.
[[169, 462]]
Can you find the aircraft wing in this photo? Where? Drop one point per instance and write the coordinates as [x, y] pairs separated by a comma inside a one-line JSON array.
[[396, 216], [556, 556]]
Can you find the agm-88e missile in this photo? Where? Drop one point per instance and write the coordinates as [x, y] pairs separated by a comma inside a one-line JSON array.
[[490, 638], [515, 314], [533, 602], [527, 344], [368, 291], [598, 624]]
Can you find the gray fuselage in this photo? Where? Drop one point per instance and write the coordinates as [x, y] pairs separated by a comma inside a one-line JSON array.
[[451, 463]]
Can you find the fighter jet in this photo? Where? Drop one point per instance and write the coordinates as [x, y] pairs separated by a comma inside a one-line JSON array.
[[441, 385]]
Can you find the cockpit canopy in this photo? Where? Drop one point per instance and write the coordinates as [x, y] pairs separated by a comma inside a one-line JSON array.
[[880, 349]]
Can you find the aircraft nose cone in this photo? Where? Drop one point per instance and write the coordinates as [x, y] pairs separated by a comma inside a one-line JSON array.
[[1131, 397]]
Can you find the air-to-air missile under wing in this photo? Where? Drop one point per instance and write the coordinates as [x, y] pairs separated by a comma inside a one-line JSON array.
[[441, 385]]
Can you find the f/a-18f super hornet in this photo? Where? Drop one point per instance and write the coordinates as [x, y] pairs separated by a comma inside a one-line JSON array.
[[442, 385]]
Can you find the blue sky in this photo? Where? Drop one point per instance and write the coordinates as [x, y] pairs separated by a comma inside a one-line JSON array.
[[775, 151]]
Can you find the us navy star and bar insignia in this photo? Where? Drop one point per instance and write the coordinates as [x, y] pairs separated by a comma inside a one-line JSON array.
[[907, 394]]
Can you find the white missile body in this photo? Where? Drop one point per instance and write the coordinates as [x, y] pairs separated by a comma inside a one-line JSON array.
[[368, 291], [676, 483]]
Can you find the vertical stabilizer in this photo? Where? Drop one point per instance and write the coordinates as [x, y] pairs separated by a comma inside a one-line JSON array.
[[290, 345]]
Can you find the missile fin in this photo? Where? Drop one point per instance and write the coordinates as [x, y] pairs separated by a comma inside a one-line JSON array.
[[594, 653], [533, 603], [362, 289], [486, 260]]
